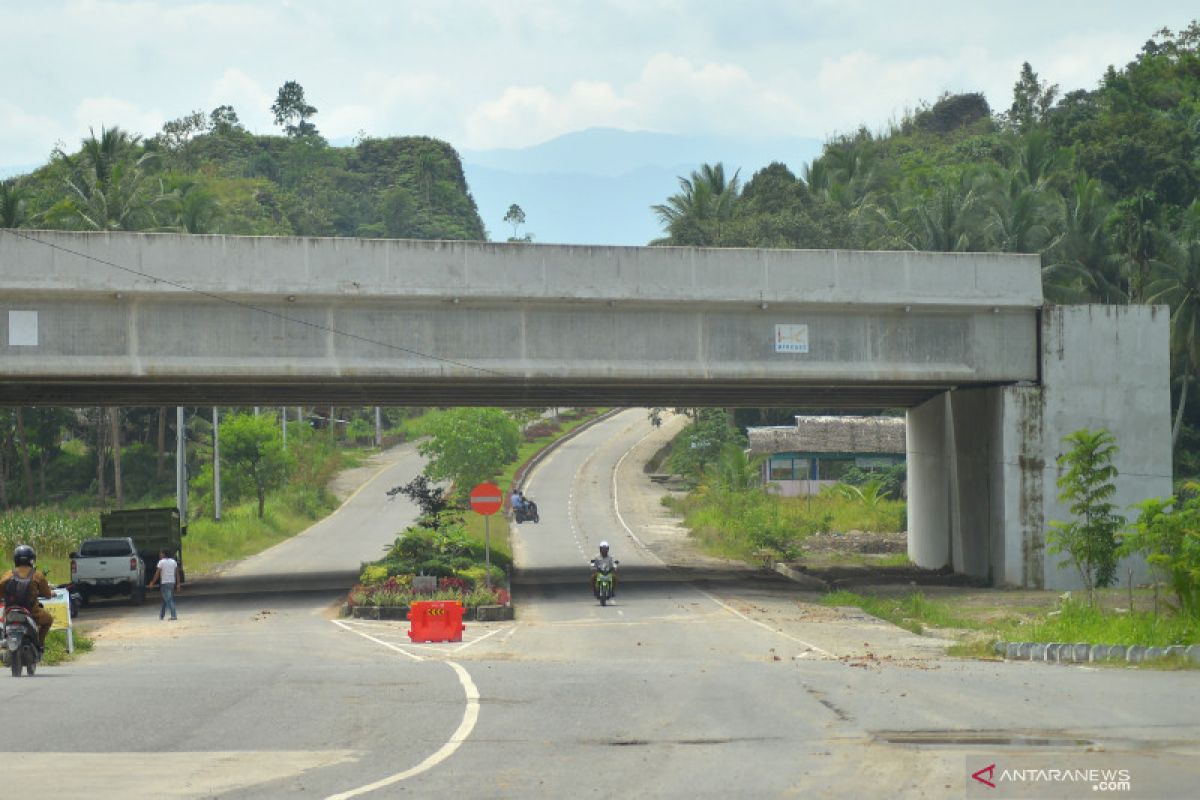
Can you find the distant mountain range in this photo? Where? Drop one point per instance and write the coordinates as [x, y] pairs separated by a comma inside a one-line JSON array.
[[596, 186]]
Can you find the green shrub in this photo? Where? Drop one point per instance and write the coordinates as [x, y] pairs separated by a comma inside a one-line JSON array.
[[1168, 533]]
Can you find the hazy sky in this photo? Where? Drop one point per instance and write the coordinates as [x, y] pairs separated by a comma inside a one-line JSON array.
[[486, 74]]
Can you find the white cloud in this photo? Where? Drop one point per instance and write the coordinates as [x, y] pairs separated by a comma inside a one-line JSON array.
[[247, 96], [670, 94], [94, 113], [527, 114], [26, 138]]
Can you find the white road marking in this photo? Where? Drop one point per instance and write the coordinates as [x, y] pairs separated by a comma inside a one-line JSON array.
[[465, 645], [388, 645], [763, 625], [617, 505], [460, 735]]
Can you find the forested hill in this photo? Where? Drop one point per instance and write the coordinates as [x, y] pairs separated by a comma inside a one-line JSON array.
[[210, 175], [1102, 183]]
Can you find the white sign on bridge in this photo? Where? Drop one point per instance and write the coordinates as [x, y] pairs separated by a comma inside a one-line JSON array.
[[791, 338]]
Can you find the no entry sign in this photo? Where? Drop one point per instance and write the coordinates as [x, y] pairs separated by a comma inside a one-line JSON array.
[[486, 499]]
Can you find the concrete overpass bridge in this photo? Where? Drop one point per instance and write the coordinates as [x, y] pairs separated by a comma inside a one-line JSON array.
[[991, 378]]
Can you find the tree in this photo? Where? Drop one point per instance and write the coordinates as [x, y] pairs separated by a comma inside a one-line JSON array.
[[1178, 286], [107, 185], [223, 120], [1032, 99], [253, 449], [12, 204], [178, 132], [700, 444], [1168, 533], [701, 209], [470, 445], [516, 218], [1085, 484], [433, 501], [292, 111]]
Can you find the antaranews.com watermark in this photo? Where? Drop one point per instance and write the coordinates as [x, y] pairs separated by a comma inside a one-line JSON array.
[[1040, 779], [1166, 771]]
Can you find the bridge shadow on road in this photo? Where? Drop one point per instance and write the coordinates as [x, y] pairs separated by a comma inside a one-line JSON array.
[[314, 589], [553, 581]]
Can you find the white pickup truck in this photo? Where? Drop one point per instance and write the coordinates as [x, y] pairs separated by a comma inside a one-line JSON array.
[[107, 568]]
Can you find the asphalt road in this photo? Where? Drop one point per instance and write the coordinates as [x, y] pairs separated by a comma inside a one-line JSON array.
[[702, 680]]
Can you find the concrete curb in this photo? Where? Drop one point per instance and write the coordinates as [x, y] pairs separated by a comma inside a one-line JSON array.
[[800, 577], [400, 613], [518, 481], [1063, 653]]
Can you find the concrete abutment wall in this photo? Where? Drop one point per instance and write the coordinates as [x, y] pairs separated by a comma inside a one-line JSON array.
[[983, 462]]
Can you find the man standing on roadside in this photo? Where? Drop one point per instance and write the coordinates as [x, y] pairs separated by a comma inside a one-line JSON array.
[[166, 574]]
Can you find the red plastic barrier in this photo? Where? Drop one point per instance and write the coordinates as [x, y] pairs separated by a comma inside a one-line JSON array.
[[436, 621]]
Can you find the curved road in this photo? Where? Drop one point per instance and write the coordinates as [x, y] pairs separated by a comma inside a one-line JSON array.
[[700, 681]]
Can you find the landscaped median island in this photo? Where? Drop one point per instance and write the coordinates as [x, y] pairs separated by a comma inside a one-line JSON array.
[[442, 556], [432, 560]]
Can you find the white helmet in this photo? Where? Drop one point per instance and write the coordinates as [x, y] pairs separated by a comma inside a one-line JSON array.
[[604, 545]]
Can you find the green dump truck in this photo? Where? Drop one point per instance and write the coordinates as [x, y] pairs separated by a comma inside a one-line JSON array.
[[122, 561], [152, 530]]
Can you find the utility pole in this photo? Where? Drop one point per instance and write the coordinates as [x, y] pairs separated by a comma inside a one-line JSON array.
[[283, 421], [216, 464], [180, 466], [378, 428]]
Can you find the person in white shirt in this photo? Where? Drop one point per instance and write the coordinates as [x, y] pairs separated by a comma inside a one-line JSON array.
[[166, 574]]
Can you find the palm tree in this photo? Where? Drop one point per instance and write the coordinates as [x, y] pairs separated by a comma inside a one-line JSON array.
[[193, 207], [1178, 285], [1023, 217], [698, 213], [12, 204], [949, 218], [1081, 266], [107, 185]]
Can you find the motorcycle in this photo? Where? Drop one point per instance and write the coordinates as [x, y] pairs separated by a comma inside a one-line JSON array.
[[604, 581], [527, 512], [18, 641]]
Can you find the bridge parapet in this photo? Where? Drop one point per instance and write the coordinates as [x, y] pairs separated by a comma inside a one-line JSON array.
[[155, 263]]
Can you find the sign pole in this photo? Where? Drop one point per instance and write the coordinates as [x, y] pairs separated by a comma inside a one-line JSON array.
[[486, 499]]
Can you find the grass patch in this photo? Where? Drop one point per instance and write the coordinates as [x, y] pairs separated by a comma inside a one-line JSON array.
[[740, 524], [913, 612], [56, 647], [1077, 622], [241, 533]]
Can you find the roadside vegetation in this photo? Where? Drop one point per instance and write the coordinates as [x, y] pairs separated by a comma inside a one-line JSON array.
[[269, 493], [732, 515], [1166, 531], [56, 647]]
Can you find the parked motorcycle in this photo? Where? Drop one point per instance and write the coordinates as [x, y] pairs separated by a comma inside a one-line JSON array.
[[19, 642], [604, 581], [527, 512]]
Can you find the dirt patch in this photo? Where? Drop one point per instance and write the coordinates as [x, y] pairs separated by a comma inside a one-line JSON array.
[[346, 482]]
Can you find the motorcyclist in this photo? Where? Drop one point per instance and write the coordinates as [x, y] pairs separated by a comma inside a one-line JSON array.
[[23, 586], [516, 502], [606, 562], [528, 508]]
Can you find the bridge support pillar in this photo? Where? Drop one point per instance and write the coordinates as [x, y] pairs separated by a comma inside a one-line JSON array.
[[982, 463]]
